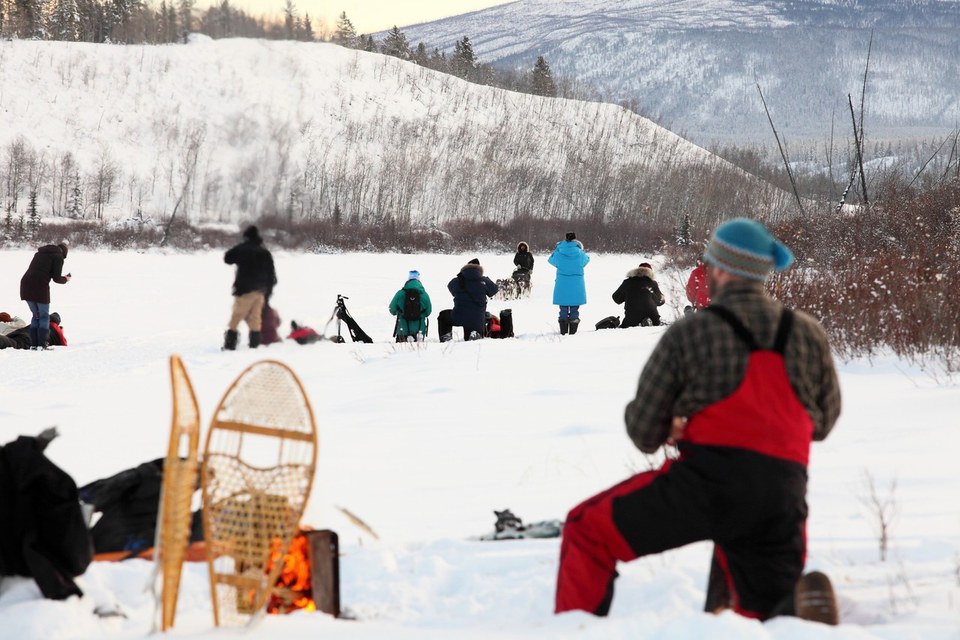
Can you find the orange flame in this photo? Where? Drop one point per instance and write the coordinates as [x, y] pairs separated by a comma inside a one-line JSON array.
[[293, 584]]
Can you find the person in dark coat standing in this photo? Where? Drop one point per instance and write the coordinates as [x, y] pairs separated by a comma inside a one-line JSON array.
[[470, 291], [47, 265], [640, 294], [252, 286]]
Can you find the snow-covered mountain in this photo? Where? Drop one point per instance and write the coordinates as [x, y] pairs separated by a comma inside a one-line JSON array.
[[234, 129], [694, 65]]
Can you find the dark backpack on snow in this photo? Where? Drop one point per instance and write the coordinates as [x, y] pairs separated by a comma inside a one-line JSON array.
[[411, 304], [610, 322]]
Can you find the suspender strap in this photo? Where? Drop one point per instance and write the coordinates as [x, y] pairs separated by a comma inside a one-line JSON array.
[[742, 332], [783, 330]]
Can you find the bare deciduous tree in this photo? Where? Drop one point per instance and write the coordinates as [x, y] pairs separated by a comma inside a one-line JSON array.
[[882, 510]]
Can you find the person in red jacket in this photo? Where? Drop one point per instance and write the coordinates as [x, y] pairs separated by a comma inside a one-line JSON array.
[[698, 291], [57, 337]]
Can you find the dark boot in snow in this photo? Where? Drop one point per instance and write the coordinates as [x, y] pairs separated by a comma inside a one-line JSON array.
[[574, 324], [814, 599], [230, 340], [43, 337], [564, 327], [254, 339], [34, 341]]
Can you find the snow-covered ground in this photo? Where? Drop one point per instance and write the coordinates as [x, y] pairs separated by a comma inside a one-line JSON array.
[[424, 442]]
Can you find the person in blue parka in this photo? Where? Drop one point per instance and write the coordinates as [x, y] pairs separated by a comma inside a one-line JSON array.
[[470, 291], [569, 289]]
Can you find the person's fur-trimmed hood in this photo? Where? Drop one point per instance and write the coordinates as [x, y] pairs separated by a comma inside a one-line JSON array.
[[469, 266], [639, 272], [523, 244]]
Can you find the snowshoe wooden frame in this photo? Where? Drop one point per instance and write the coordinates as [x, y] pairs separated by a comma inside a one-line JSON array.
[[249, 506], [180, 473]]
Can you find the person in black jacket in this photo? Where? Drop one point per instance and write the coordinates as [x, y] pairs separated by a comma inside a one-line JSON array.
[[470, 291], [44, 534], [252, 286], [523, 260], [642, 296], [47, 265]]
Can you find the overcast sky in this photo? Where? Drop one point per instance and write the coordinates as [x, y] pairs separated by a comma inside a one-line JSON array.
[[367, 16]]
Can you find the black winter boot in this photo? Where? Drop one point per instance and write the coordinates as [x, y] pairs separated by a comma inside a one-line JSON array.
[[564, 327], [574, 324], [254, 339], [230, 340]]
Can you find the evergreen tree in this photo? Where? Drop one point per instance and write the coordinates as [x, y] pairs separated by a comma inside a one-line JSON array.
[[345, 34], [170, 23], [118, 19], [65, 21], [33, 223], [396, 45], [438, 60], [225, 19], [420, 55], [541, 81], [76, 198], [308, 34], [683, 232], [185, 17], [290, 20], [92, 18], [337, 215], [463, 62], [32, 24], [369, 44]]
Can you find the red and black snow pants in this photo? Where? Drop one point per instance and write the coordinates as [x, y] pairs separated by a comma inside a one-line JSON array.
[[752, 506], [741, 481]]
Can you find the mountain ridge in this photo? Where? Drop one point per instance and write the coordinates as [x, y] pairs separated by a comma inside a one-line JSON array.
[[694, 65]]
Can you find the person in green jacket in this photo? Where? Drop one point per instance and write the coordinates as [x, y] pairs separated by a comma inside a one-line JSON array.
[[411, 305]]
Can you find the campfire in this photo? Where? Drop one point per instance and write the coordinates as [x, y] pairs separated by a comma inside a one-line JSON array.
[[293, 589], [310, 577]]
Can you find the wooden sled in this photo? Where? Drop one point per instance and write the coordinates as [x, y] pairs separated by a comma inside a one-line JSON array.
[[180, 472], [258, 468]]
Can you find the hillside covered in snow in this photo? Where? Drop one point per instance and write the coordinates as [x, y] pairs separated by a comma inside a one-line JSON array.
[[234, 129]]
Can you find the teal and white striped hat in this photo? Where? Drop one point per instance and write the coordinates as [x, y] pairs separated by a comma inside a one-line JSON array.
[[745, 248]]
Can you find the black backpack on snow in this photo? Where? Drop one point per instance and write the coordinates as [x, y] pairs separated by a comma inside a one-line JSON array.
[[610, 322], [411, 304]]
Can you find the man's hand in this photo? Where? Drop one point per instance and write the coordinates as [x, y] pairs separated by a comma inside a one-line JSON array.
[[677, 428]]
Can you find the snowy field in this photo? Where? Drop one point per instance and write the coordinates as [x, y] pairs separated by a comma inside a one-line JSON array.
[[424, 442]]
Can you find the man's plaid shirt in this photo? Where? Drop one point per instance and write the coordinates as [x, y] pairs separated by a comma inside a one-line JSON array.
[[700, 360]]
